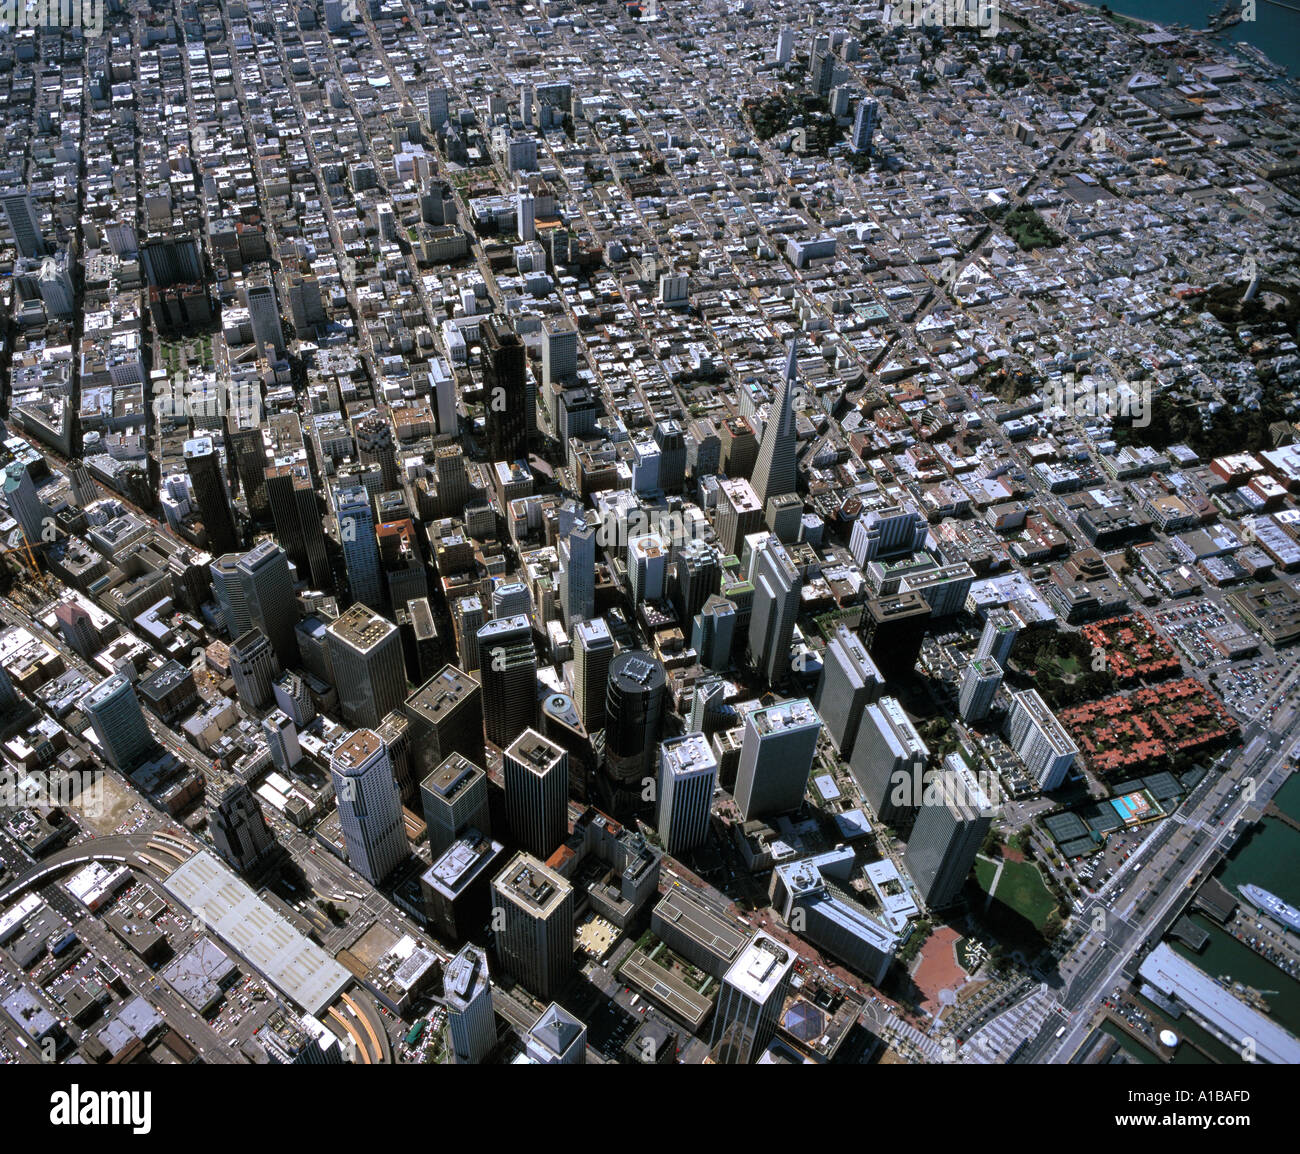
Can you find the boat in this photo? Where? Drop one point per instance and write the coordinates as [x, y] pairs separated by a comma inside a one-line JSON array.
[[1169, 1039], [1272, 905]]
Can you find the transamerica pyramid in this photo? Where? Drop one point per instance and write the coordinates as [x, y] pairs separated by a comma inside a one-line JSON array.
[[777, 471]]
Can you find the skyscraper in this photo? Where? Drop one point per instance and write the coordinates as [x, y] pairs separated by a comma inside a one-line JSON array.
[[264, 313], [291, 498], [204, 468], [672, 455], [467, 619], [559, 354], [593, 650], [369, 669], [454, 798], [281, 739], [446, 715], [777, 469], [1041, 742], [949, 830], [533, 919], [739, 513], [696, 574], [536, 775], [24, 222], [634, 707], [467, 994], [267, 598], [239, 830], [979, 687], [370, 807], [505, 383], [776, 757], [849, 682], [647, 566], [118, 720], [376, 445], [508, 669], [356, 522], [557, 1038], [688, 773], [713, 632], [998, 638], [254, 668], [577, 551], [749, 1001], [78, 629], [889, 759], [864, 126], [248, 448], [776, 607]]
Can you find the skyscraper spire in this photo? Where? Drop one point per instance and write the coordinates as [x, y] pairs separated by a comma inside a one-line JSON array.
[[777, 470]]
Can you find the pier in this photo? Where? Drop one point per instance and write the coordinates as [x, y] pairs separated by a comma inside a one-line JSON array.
[[1190, 934], [1271, 809], [1271, 941]]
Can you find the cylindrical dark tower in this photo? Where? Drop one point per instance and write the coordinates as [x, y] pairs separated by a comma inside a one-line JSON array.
[[634, 707]]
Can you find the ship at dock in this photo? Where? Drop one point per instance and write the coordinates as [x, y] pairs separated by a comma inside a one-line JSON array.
[[1272, 905]]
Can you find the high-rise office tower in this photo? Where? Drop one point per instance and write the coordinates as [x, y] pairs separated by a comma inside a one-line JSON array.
[[78, 630], [370, 806], [306, 305], [204, 468], [291, 497], [672, 455], [446, 715], [376, 445], [356, 522], [777, 469], [454, 798], [889, 532], [948, 832], [437, 106], [537, 793], [785, 46], [696, 574], [248, 447], [1041, 742], [894, 628], [559, 354], [889, 759], [454, 489], [749, 1001], [369, 669], [998, 638], [281, 739], [171, 260], [467, 618], [776, 607], [510, 599], [84, 490], [118, 721], [821, 69], [254, 668], [525, 213], [634, 708], [267, 598], [395, 732], [577, 551], [739, 514], [709, 709], [24, 222], [647, 566], [849, 682], [776, 757], [713, 633], [505, 383], [264, 314], [688, 773], [533, 918], [864, 126], [508, 671], [979, 687], [239, 831], [557, 1038], [593, 650], [467, 994]]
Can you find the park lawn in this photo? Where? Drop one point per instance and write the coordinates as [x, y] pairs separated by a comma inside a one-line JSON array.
[[1022, 889], [984, 871]]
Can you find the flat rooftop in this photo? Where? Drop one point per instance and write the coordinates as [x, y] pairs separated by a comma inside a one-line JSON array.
[[297, 967]]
